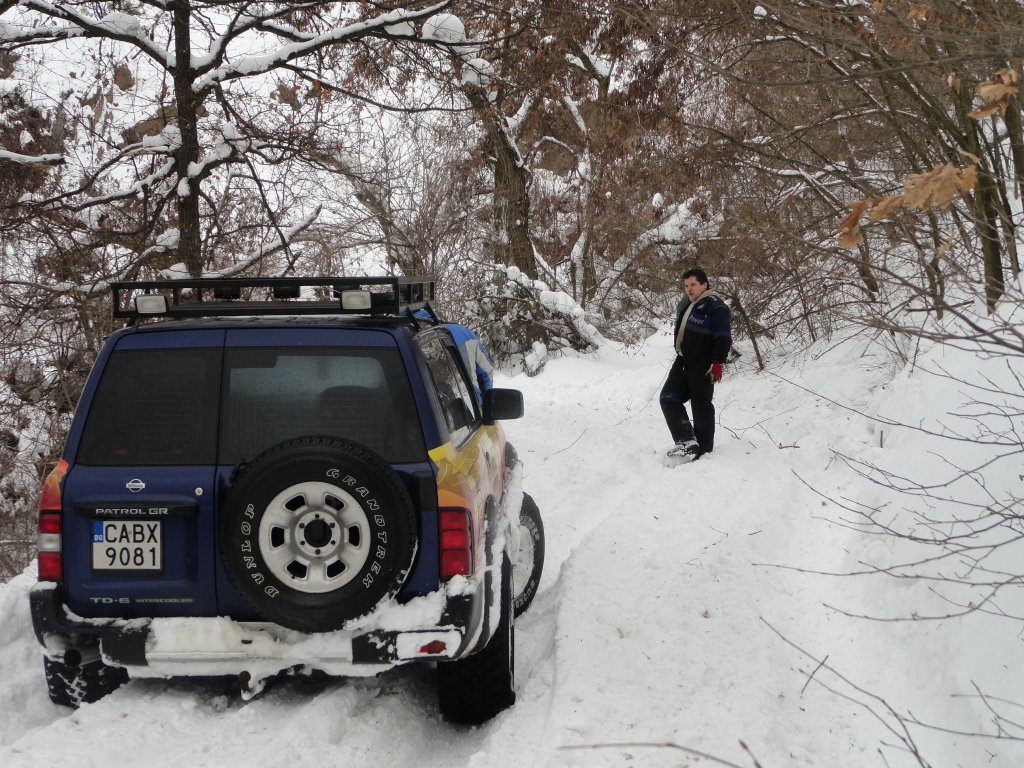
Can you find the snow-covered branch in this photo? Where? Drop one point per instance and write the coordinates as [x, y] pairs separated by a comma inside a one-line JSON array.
[[113, 26], [15, 157], [253, 65]]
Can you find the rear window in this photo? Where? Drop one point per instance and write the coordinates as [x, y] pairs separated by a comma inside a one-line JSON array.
[[163, 407], [154, 407], [360, 394]]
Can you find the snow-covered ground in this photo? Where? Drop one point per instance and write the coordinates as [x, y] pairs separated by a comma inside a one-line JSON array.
[[680, 612]]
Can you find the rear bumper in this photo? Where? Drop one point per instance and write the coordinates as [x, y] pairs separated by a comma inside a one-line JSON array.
[[168, 647]]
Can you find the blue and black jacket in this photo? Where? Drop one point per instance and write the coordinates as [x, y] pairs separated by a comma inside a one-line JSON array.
[[708, 334]]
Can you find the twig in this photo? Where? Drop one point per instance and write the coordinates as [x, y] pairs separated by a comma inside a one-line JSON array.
[[813, 673], [667, 745], [570, 445]]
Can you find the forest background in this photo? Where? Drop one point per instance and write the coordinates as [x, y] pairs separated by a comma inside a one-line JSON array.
[[556, 166]]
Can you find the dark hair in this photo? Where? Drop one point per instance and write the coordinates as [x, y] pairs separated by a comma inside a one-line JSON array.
[[700, 274]]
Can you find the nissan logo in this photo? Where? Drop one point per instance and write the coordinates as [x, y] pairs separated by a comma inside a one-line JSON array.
[[135, 485]]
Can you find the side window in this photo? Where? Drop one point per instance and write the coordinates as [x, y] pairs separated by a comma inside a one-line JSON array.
[[457, 403]]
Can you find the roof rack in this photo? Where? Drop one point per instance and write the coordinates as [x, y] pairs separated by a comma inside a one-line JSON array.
[[223, 296]]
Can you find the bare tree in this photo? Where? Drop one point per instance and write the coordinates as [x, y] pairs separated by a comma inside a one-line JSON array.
[[811, 107], [593, 182], [208, 101], [141, 138]]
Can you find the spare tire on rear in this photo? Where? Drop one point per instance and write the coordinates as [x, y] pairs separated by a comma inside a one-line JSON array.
[[317, 532]]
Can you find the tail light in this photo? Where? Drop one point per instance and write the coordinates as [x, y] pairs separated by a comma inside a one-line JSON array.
[[456, 543], [50, 568]]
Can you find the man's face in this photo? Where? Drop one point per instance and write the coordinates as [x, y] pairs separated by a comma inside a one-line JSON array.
[[694, 288]]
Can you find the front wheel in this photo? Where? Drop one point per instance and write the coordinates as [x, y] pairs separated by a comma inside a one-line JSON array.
[[529, 562], [474, 689]]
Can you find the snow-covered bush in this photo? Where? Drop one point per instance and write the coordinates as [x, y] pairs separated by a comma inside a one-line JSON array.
[[524, 322]]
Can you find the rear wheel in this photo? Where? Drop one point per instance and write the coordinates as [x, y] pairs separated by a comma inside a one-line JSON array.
[[529, 563], [74, 685], [474, 689]]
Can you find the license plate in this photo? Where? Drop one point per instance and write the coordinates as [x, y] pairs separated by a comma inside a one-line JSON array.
[[127, 545]]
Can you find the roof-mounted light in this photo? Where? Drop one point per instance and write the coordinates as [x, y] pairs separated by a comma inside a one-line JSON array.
[[356, 300], [151, 304]]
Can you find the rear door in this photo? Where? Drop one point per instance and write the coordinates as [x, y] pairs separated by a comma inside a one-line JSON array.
[[139, 497], [281, 383]]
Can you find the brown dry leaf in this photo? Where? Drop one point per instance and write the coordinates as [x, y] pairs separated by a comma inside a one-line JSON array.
[[938, 186], [123, 78], [288, 96], [918, 12], [851, 238], [1008, 75], [995, 90], [849, 228], [987, 110], [946, 185], [944, 247], [935, 187], [996, 93], [916, 188], [968, 178], [883, 207]]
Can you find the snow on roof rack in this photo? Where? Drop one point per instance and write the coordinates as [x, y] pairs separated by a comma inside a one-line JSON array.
[[239, 296]]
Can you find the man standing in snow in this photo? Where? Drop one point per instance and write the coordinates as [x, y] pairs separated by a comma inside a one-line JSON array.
[[703, 336]]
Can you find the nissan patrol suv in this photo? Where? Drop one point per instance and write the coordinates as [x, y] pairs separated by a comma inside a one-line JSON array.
[[276, 474]]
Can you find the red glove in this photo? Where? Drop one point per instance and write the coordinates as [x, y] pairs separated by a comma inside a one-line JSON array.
[[715, 372]]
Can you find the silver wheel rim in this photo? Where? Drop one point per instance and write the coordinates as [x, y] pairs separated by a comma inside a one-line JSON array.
[[314, 537], [523, 566]]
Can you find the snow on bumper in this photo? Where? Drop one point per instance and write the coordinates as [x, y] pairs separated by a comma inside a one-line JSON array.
[[208, 646], [438, 627]]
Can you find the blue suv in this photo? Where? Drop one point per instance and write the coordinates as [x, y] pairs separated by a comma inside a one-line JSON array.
[[285, 474]]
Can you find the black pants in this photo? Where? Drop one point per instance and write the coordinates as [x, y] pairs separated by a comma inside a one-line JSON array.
[[694, 384]]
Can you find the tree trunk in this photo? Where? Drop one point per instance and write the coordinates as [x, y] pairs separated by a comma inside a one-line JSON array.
[[933, 268], [985, 214], [186, 102], [734, 299], [987, 217], [866, 275], [1015, 133], [511, 189], [511, 203]]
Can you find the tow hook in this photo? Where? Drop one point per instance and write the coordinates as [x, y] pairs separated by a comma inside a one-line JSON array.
[[250, 687]]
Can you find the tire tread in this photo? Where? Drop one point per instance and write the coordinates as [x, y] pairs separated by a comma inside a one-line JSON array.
[[531, 513], [475, 689], [71, 686]]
